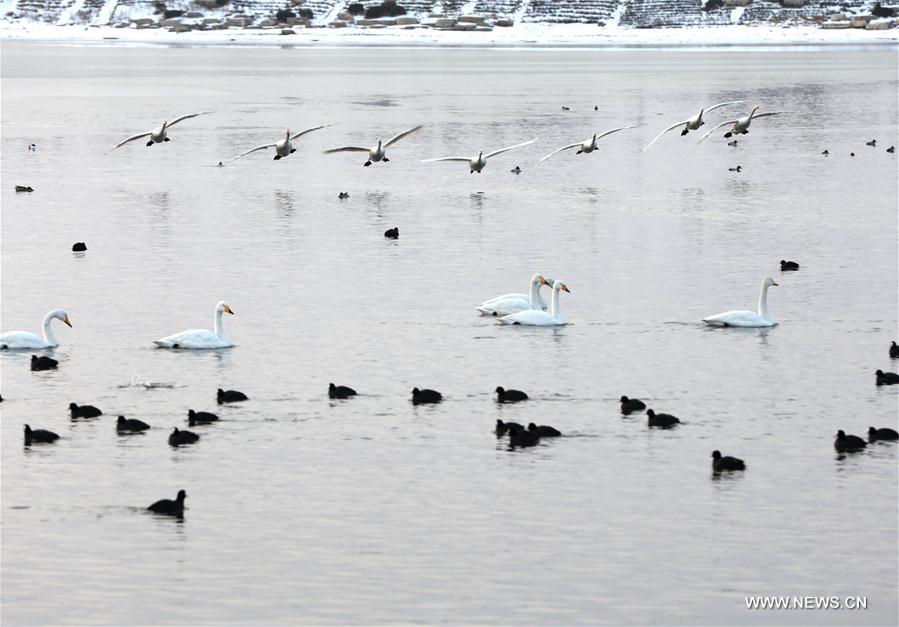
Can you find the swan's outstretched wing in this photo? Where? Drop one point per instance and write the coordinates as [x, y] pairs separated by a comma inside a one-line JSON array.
[[715, 128], [615, 130], [309, 130], [659, 136], [501, 150], [186, 117], [130, 139], [396, 138], [723, 104], [762, 115], [558, 150], [465, 159], [347, 149], [244, 154]]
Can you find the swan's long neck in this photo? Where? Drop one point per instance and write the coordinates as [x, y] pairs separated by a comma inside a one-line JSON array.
[[556, 311], [536, 300], [217, 325], [763, 302], [48, 330]]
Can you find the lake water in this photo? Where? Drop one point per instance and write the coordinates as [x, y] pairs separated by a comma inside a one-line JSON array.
[[304, 510]]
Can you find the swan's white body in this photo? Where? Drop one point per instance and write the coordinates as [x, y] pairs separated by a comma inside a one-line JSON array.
[[740, 125], [587, 146], [692, 123], [160, 134], [283, 147], [201, 338], [377, 152], [15, 340], [539, 318], [743, 318], [513, 303], [476, 164]]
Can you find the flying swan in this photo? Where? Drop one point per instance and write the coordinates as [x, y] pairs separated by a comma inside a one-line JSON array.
[[201, 338], [513, 303], [160, 134], [376, 153], [476, 164], [24, 339], [692, 123], [747, 318], [537, 318], [587, 146], [283, 147], [740, 125]]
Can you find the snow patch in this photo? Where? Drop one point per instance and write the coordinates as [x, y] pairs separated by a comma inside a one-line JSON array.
[[736, 14]]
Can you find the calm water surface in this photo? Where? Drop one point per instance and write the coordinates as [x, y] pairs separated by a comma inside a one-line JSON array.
[[303, 510]]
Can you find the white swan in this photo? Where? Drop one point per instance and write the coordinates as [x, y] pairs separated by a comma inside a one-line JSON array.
[[747, 318], [476, 164], [283, 147], [740, 125], [24, 339], [160, 134], [201, 338], [513, 303], [537, 318], [376, 153], [588, 145], [692, 123]]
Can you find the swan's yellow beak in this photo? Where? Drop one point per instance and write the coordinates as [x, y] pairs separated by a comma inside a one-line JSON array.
[[543, 281], [775, 284], [228, 310], [66, 320], [565, 287]]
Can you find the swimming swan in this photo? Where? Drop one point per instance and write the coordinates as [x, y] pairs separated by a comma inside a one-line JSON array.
[[692, 123], [513, 303], [201, 338], [160, 134], [747, 318], [740, 125], [377, 153], [283, 147], [534, 317], [26, 340], [588, 145], [476, 164]]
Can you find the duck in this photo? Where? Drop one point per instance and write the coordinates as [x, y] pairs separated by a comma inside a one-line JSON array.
[[739, 168], [630, 405], [544, 431], [732, 143], [79, 247], [740, 126], [83, 411], [564, 108], [845, 442], [887, 378], [596, 107], [505, 427], [379, 151], [515, 170], [742, 318], [343, 195], [720, 464], [45, 363], [230, 396], [894, 351], [421, 397], [32, 147], [788, 266], [130, 425], [39, 436], [393, 233], [479, 162], [509, 396], [284, 147], [197, 339], [665, 421], [340, 391], [17, 340], [523, 437], [891, 149], [873, 142], [692, 123], [160, 134], [882, 434], [851, 154], [513, 303], [200, 417], [179, 437], [588, 145], [539, 318], [168, 507], [826, 153], [24, 188]]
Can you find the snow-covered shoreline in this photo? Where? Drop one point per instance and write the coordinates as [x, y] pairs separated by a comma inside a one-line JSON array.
[[533, 35]]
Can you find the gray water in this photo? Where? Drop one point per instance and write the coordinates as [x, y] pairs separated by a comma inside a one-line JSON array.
[[304, 510]]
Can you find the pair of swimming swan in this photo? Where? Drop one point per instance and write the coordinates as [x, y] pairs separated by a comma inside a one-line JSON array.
[[740, 125], [527, 309]]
